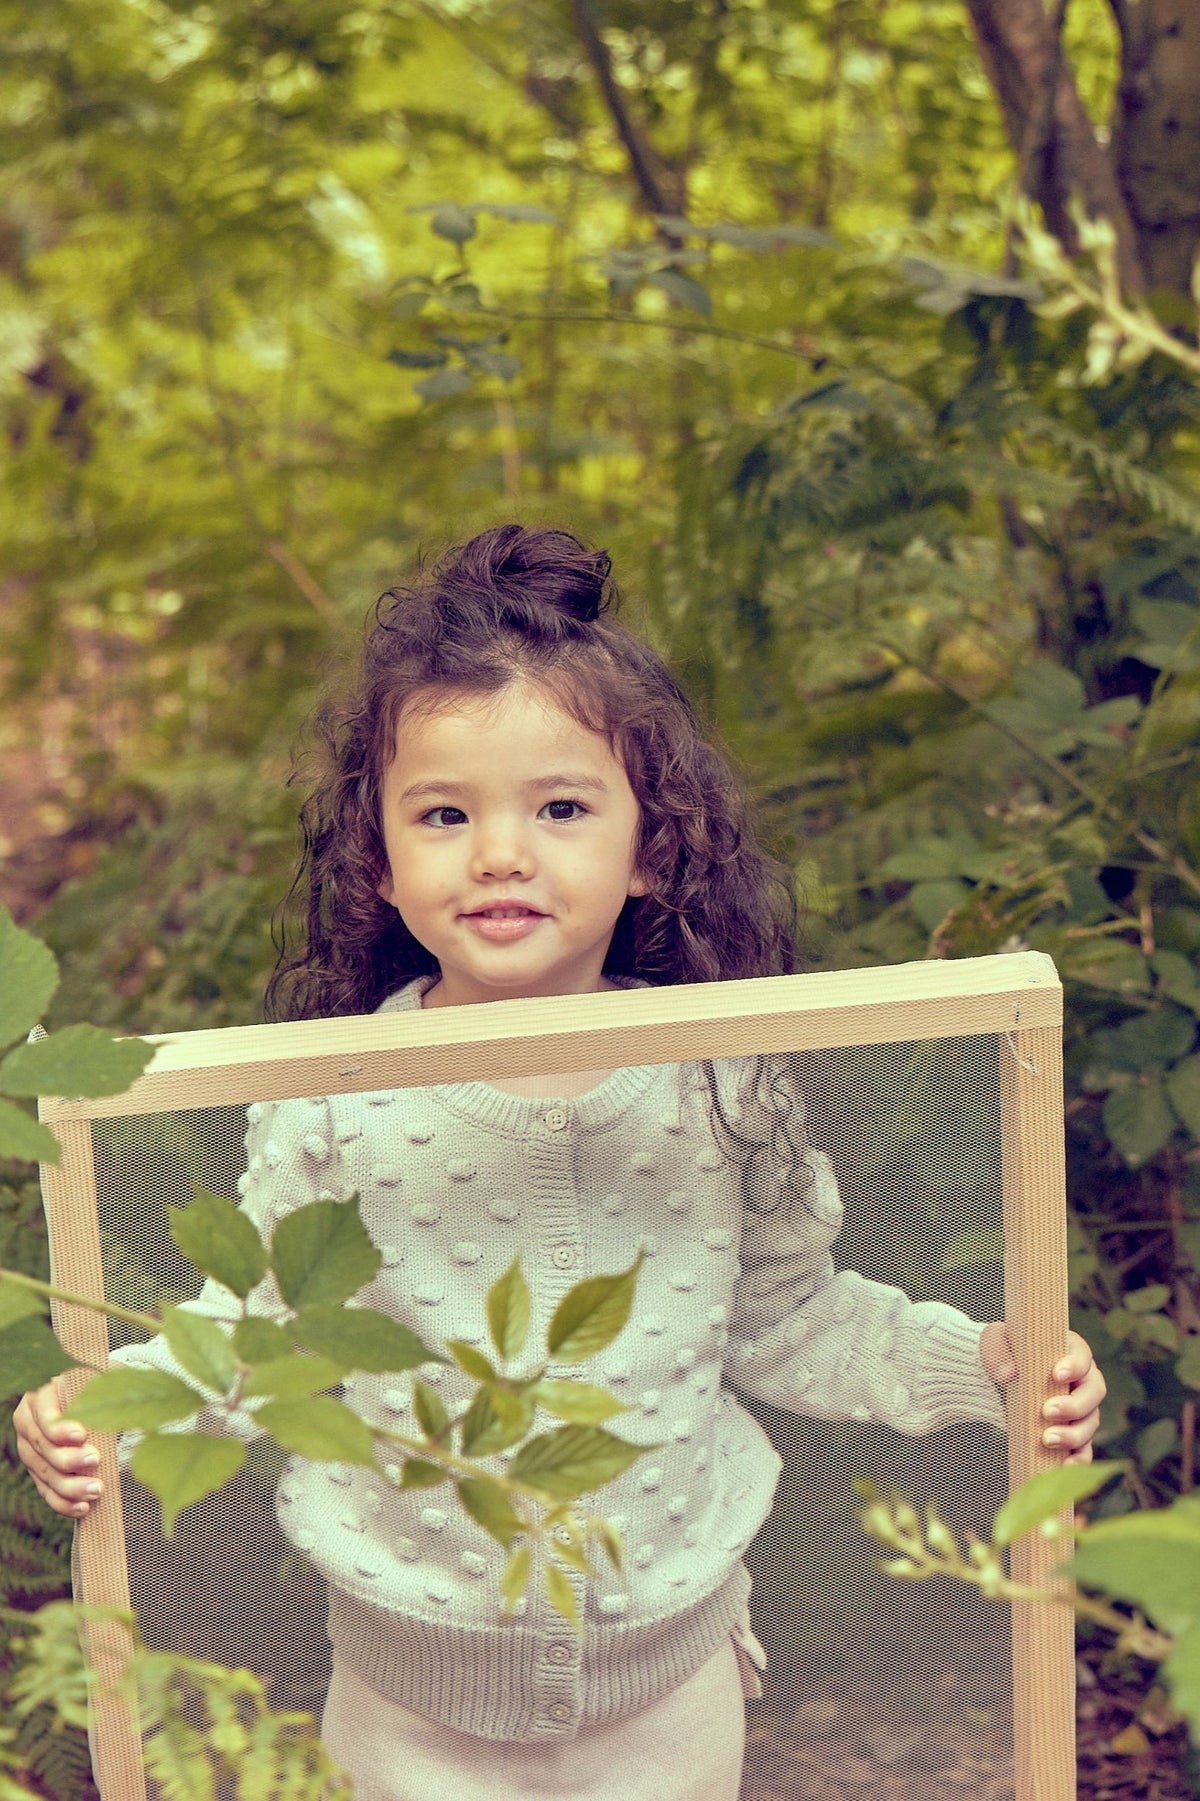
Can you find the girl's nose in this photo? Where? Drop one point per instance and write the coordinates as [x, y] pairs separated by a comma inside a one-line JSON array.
[[500, 853]]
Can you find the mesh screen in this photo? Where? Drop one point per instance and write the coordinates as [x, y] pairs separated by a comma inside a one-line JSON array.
[[873, 1687]]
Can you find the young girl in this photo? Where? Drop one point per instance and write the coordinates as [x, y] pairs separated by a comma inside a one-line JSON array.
[[516, 801]]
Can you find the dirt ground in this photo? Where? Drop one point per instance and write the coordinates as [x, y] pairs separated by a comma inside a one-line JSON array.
[[1130, 1746]]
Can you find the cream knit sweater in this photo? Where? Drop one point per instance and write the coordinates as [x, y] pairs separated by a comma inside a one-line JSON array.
[[454, 1182]]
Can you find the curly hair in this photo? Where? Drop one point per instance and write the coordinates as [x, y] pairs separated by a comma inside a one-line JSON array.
[[516, 604]]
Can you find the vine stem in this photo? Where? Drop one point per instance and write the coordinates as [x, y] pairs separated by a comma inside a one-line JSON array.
[[149, 1320]]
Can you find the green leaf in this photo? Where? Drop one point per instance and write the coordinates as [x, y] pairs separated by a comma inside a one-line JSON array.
[[444, 385], [610, 1538], [516, 212], [183, 1467], [1158, 1441], [931, 901], [490, 1507], [432, 1417], [123, 1400], [561, 1595], [470, 1361], [419, 1474], [1176, 978], [77, 1060], [1187, 1364], [454, 223], [29, 1355], [567, 1462], [28, 978], [1139, 1120], [322, 1253], [591, 1314], [220, 1241], [21, 1136], [291, 1377], [1151, 1558], [1046, 1494], [973, 1250], [683, 289], [582, 1402], [516, 1575], [259, 1340], [19, 1302], [201, 1347], [1107, 963], [362, 1338], [1151, 1039], [1149, 1299], [418, 359], [497, 1418], [322, 1428], [1183, 1087], [508, 1311]]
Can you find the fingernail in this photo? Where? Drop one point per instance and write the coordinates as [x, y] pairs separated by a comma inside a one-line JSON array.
[[90, 1460], [80, 1507], [1062, 1372], [1053, 1411], [94, 1489], [1053, 1438]]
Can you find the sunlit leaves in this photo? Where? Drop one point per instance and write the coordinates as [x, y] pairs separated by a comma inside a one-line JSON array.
[[1046, 1494], [121, 1400], [220, 1241], [28, 978], [201, 1346], [508, 1312], [361, 1338], [591, 1315], [290, 1378], [571, 1460], [321, 1428], [29, 1355], [322, 1253], [583, 1403], [24, 1137], [77, 1060], [183, 1467], [489, 1506]]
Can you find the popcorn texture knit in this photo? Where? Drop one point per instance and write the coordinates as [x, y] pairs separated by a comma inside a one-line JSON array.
[[456, 1181]]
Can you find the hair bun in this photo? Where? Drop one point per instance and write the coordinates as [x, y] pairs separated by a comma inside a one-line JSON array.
[[551, 569]]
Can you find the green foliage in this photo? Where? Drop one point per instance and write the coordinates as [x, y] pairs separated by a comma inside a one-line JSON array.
[[207, 1731], [78, 1060]]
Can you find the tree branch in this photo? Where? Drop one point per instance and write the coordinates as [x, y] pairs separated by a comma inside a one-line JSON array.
[[638, 151]]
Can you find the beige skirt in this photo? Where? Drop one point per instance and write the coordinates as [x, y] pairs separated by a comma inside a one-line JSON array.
[[687, 1747]]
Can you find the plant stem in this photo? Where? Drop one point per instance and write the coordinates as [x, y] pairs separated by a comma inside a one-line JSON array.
[[148, 1320]]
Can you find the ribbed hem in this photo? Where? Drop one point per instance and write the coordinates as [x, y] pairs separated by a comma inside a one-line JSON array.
[[956, 1386], [495, 1683]]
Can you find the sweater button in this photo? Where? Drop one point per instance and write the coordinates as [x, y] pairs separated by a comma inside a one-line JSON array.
[[563, 1257], [559, 1652], [559, 1711], [555, 1118]]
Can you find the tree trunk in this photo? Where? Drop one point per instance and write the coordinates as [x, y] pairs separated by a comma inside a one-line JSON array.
[[1156, 136], [1055, 142]]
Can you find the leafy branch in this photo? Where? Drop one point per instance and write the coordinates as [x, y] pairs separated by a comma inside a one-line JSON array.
[[280, 1370], [1146, 1558]]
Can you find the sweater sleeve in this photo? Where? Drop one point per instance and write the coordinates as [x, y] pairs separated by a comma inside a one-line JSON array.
[[291, 1151], [834, 1345]]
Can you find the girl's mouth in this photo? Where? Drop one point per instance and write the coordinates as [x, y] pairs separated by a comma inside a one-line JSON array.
[[500, 924]]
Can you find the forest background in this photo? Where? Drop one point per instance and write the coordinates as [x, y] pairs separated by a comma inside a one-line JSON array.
[[897, 471]]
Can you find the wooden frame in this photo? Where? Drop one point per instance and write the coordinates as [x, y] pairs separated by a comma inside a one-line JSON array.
[[1017, 997]]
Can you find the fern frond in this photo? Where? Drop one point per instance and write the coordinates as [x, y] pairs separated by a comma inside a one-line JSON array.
[[1123, 476]]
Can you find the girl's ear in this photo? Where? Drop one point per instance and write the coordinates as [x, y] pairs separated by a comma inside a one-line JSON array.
[[385, 888], [638, 885]]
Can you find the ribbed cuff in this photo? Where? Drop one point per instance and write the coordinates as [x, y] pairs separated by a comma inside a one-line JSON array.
[[954, 1385]]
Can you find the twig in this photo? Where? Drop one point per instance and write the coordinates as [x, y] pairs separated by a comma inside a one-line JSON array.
[[308, 585]]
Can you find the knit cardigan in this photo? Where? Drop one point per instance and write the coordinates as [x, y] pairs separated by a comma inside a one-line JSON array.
[[454, 1182]]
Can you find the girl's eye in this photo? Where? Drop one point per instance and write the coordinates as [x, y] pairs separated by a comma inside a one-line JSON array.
[[563, 809], [439, 816]]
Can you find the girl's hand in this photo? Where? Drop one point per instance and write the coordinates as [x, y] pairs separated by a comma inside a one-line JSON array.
[[1075, 1416], [57, 1453]]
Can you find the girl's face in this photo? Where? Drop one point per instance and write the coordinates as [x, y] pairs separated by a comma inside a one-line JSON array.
[[511, 834]]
